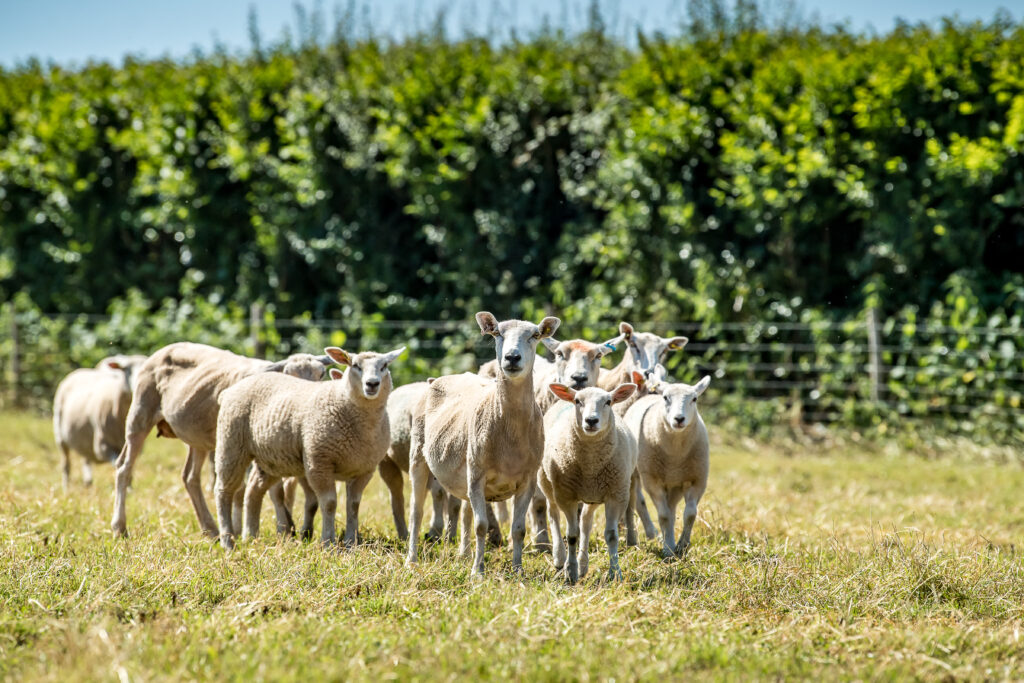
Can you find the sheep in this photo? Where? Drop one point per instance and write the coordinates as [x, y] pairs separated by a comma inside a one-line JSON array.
[[400, 405], [482, 440], [577, 364], [645, 350], [176, 392], [590, 458], [89, 410], [325, 432], [673, 458]]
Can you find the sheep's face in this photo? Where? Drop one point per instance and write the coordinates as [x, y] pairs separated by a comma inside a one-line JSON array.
[[129, 365], [680, 403], [304, 366], [593, 405], [655, 380], [578, 362], [516, 341], [368, 372], [646, 349]]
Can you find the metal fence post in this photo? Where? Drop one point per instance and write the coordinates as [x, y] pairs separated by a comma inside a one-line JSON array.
[[15, 359], [874, 353], [255, 322]]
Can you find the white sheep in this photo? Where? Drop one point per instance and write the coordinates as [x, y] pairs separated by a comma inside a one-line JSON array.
[[326, 432], [577, 364], [400, 411], [673, 460], [176, 392], [590, 458], [89, 410], [644, 351], [482, 440]]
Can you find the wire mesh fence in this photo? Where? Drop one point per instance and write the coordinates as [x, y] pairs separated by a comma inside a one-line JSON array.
[[859, 371]]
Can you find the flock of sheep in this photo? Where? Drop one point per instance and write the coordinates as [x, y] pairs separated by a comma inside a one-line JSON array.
[[559, 438]]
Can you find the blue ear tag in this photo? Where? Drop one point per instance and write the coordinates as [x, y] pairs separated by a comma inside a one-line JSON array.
[[610, 345]]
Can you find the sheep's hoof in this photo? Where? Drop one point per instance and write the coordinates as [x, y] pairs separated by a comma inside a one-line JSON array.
[[432, 535], [119, 531], [615, 574], [682, 550], [668, 554], [494, 538], [631, 539], [227, 543], [306, 533]]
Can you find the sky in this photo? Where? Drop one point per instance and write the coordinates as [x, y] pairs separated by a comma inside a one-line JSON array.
[[72, 32]]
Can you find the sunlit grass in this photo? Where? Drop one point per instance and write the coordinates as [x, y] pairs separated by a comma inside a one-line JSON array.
[[835, 564]]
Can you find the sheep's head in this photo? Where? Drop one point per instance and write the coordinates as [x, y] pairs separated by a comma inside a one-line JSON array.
[[593, 405], [654, 380], [646, 349], [578, 362], [129, 365], [367, 372], [302, 365], [679, 403], [516, 341]]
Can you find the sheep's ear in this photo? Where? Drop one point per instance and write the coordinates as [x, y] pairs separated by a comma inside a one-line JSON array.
[[639, 380], [336, 373], [275, 367], [113, 365], [677, 343], [325, 360], [610, 345], [393, 355], [626, 330], [550, 343], [702, 384], [430, 380], [548, 326], [339, 356], [622, 392], [487, 322], [561, 391]]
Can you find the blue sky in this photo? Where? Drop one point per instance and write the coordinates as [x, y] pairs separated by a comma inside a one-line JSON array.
[[74, 31]]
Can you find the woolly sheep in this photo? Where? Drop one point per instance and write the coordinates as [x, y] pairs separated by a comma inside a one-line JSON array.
[[673, 459], [644, 351], [589, 458], [177, 392], [89, 410], [327, 432], [482, 440]]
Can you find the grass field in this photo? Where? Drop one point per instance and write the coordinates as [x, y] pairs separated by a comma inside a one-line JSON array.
[[840, 564]]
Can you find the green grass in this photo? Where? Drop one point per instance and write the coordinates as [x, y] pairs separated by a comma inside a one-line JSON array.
[[841, 564]]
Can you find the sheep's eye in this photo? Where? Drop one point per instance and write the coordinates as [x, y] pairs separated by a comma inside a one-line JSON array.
[[578, 402], [536, 335], [558, 355]]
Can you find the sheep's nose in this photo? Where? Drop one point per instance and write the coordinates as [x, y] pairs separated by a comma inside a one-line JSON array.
[[593, 420], [680, 419], [513, 356], [580, 377], [372, 383]]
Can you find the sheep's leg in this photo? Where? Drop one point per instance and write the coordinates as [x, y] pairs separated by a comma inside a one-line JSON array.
[[353, 496], [454, 510], [613, 510], [586, 525], [288, 485], [191, 475], [572, 536], [524, 497], [493, 528], [65, 465], [309, 507], [538, 507], [466, 530], [634, 484], [125, 464], [392, 477], [479, 504], [257, 487], [558, 549], [501, 512], [692, 497], [667, 520], [86, 472], [231, 467], [285, 522], [440, 497], [641, 507], [419, 476], [327, 498]]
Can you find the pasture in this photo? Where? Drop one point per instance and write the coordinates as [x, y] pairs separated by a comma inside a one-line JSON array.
[[841, 563]]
